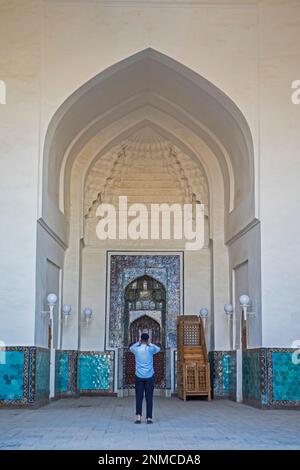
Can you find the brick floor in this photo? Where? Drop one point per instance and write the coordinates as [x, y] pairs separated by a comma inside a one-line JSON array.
[[107, 423]]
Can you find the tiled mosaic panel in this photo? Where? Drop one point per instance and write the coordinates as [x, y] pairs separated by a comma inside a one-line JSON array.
[[42, 374], [226, 372], [232, 379], [126, 268], [251, 375], [12, 375], [95, 371], [223, 373], [215, 361], [220, 367], [286, 377], [23, 376], [61, 372]]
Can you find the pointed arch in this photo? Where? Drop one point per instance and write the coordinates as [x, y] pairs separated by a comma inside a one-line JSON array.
[[150, 79]]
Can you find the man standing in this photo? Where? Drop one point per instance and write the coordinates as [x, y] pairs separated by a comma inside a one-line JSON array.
[[144, 375]]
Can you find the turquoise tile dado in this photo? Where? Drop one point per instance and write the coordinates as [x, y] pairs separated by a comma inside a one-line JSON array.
[[232, 375], [24, 376], [42, 374], [66, 373], [61, 372], [226, 372], [270, 378], [95, 372], [12, 375], [223, 373], [251, 375], [286, 377]]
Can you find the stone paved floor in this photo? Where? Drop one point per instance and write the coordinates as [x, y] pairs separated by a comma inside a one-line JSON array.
[[106, 423]]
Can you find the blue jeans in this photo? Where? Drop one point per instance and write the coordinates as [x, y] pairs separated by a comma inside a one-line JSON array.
[[141, 386]]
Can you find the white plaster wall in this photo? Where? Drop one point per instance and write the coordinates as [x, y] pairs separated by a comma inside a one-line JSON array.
[[236, 23], [73, 270], [234, 48], [190, 35], [251, 53], [20, 62], [103, 33], [49, 266], [93, 294], [246, 249], [197, 286], [280, 171]]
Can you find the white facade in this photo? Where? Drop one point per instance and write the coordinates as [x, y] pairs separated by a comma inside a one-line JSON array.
[[242, 55]]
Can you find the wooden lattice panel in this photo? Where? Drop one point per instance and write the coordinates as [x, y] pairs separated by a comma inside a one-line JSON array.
[[191, 334], [189, 330], [193, 377], [202, 378]]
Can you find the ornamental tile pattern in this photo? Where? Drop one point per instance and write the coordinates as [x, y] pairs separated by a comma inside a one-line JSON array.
[[24, 376], [66, 373], [61, 372], [251, 375], [125, 269], [271, 377], [223, 374], [12, 376], [284, 378], [42, 375], [95, 372], [255, 378]]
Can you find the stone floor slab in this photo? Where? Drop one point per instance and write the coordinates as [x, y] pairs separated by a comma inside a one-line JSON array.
[[107, 423]]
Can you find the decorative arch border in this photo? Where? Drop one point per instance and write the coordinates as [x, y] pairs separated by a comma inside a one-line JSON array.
[[125, 267], [145, 313]]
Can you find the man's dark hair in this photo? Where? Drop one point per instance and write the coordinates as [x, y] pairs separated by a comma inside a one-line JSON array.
[[145, 337]]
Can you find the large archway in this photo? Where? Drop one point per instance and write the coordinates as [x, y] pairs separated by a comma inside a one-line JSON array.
[[147, 108], [151, 81]]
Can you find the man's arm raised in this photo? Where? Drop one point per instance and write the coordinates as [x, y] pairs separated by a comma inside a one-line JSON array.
[[134, 347]]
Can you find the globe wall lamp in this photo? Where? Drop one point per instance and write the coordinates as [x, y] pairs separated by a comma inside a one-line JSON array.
[[87, 313], [245, 303], [204, 315], [228, 310], [51, 301], [66, 312]]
